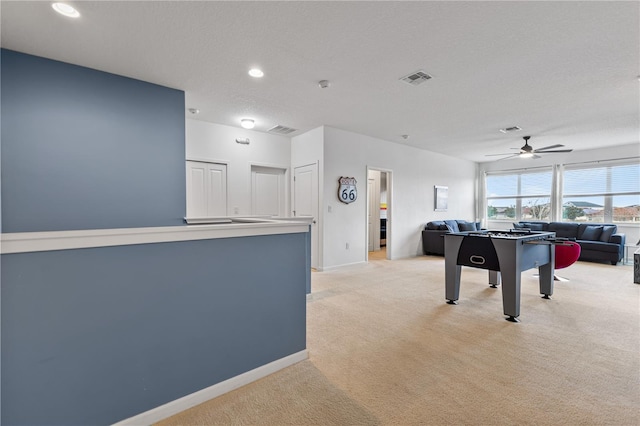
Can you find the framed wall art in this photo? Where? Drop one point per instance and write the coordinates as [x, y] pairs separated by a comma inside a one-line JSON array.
[[441, 194]]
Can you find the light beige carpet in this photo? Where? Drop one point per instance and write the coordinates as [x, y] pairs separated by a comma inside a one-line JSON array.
[[385, 349]]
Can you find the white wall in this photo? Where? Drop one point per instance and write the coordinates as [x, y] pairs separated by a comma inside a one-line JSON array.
[[217, 143], [632, 232], [307, 149], [414, 173]]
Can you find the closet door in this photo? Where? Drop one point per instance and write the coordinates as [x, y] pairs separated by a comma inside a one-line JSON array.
[[206, 189], [268, 191], [306, 202]]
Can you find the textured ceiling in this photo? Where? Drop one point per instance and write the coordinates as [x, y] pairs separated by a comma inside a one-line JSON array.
[[565, 72]]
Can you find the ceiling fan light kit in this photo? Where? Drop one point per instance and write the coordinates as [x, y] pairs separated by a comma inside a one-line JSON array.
[[527, 151]]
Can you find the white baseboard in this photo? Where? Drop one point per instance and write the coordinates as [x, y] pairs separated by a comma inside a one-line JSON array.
[[174, 407], [344, 265]]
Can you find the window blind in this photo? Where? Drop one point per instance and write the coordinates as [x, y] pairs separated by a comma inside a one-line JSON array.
[[601, 180], [522, 184]]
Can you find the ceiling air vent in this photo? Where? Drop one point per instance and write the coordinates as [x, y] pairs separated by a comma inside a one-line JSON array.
[[281, 130], [511, 129], [416, 78]]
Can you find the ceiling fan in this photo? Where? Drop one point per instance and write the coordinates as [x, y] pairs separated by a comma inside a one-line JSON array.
[[527, 150]]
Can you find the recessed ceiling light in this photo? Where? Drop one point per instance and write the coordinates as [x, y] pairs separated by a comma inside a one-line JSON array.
[[194, 110], [247, 123], [66, 10], [255, 72]]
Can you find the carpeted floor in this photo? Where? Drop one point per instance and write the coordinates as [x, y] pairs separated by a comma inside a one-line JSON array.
[[385, 349]]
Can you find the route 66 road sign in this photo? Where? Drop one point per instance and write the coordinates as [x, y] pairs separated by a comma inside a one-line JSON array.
[[347, 191]]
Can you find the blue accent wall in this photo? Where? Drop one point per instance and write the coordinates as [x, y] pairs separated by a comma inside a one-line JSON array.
[[85, 149], [94, 336]]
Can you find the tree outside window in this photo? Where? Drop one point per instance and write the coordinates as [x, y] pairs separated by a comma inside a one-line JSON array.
[[538, 209], [572, 212]]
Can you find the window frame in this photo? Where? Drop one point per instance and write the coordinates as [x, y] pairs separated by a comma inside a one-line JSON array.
[[608, 194], [557, 198], [519, 197]]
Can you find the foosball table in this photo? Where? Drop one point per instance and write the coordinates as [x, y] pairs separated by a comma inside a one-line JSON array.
[[505, 254]]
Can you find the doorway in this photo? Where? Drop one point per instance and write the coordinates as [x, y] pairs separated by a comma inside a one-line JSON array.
[[378, 214]]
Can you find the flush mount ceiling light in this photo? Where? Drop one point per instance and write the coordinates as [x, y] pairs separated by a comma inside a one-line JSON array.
[[247, 123], [256, 72], [66, 10]]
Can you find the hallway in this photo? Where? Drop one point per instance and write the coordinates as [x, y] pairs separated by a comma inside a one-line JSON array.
[[378, 255]]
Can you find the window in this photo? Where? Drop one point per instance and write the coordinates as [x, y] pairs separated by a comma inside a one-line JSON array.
[[523, 195], [609, 193]]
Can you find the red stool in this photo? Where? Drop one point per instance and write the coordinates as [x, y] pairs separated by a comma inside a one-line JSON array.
[[566, 255]]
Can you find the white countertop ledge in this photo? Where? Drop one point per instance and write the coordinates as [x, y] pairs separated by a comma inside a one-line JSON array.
[[206, 229]]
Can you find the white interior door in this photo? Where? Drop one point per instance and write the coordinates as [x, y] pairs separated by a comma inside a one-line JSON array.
[[268, 191], [305, 202], [206, 189]]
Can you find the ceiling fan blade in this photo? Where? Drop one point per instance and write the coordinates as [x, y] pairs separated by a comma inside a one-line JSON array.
[[528, 151], [510, 156], [550, 152], [548, 147]]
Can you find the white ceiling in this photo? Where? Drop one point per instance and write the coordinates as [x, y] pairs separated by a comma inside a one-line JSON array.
[[565, 72]]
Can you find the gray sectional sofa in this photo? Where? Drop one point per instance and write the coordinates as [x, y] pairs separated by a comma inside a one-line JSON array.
[[432, 235], [598, 241]]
